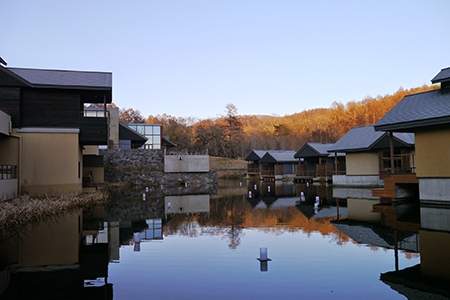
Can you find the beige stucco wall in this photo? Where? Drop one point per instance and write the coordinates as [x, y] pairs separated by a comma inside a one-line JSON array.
[[433, 153], [49, 163], [434, 250], [365, 163], [362, 210]]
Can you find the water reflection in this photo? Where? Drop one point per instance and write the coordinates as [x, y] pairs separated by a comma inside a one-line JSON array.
[[200, 243]]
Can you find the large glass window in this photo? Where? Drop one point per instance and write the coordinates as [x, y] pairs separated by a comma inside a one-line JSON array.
[[152, 132]]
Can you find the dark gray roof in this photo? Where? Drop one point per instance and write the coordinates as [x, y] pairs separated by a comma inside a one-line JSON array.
[[85, 79], [321, 148], [366, 138], [279, 156], [418, 110], [255, 155], [443, 75]]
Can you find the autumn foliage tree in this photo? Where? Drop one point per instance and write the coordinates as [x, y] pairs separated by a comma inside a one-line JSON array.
[[233, 135]]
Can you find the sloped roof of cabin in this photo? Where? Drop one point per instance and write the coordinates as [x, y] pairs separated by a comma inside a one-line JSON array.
[[361, 139], [126, 133], [443, 75], [66, 78], [313, 150], [418, 110], [274, 156], [255, 155]]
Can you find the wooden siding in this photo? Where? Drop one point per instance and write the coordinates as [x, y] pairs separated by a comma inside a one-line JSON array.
[[93, 131], [50, 108], [10, 103]]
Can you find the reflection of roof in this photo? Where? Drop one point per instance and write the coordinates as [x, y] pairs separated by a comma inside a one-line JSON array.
[[376, 235], [255, 155], [411, 283], [418, 110], [279, 156], [366, 139], [66, 78]]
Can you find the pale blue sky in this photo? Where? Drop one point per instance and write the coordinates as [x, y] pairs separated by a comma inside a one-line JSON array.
[[191, 58]]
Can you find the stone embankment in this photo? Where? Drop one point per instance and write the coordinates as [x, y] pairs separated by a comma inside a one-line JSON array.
[[141, 169]]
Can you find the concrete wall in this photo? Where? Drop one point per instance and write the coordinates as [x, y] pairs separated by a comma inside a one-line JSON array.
[[5, 123], [51, 162], [361, 210], [434, 189], [186, 163], [435, 218], [113, 127], [433, 153], [186, 204], [357, 181], [348, 192], [365, 163]]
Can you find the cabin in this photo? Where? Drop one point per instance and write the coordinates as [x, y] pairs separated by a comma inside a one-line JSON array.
[[253, 159], [427, 115], [317, 164], [367, 156], [278, 165], [47, 111]]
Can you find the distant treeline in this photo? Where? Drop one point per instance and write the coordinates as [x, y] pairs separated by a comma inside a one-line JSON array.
[[233, 135]]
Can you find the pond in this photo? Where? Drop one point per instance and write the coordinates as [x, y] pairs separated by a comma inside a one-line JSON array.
[[323, 243]]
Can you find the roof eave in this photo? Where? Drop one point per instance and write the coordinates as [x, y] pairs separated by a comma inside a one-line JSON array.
[[411, 126]]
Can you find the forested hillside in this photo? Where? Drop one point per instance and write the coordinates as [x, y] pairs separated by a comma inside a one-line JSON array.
[[233, 135]]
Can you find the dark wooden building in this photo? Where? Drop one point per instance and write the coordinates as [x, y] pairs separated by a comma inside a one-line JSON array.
[[278, 164], [315, 162], [253, 159]]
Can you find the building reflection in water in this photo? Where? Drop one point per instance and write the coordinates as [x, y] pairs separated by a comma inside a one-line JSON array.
[[68, 257], [57, 259]]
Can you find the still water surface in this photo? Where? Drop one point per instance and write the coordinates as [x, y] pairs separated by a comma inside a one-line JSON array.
[[206, 247]]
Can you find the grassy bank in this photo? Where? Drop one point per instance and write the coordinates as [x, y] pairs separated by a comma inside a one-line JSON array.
[[25, 210]]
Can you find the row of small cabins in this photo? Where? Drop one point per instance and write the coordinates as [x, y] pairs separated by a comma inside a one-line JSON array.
[[407, 152], [52, 125], [360, 158]]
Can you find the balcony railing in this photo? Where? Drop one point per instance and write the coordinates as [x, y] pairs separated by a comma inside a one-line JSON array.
[[252, 169], [8, 172], [402, 164]]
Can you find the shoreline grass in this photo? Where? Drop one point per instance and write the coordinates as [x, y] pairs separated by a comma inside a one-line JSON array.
[[16, 213]]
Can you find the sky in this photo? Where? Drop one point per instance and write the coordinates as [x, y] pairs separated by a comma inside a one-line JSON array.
[[190, 58]]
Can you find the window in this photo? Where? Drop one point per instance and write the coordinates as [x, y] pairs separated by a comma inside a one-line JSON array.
[[152, 132]]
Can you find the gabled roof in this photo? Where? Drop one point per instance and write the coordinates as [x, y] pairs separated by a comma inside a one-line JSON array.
[[313, 150], [167, 142], [278, 156], [418, 110], [64, 78], [361, 139], [255, 155], [443, 75]]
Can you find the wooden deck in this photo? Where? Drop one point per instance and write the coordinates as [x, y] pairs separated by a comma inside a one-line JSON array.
[[391, 182]]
